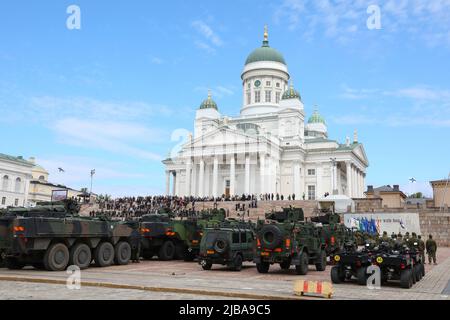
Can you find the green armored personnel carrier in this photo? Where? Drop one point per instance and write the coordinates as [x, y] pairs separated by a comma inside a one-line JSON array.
[[53, 236], [287, 239], [175, 238]]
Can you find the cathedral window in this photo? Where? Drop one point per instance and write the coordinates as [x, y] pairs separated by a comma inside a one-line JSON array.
[[267, 83], [278, 84], [249, 98], [268, 96], [311, 172], [277, 97], [5, 183], [18, 185], [4, 200], [257, 96], [311, 192]]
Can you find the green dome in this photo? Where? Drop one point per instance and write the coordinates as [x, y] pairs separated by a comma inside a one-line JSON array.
[[265, 53], [209, 103], [291, 93], [316, 118]]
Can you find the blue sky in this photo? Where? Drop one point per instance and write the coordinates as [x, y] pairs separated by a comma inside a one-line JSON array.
[[110, 95]]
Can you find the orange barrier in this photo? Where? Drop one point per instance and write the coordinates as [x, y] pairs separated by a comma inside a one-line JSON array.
[[313, 288]]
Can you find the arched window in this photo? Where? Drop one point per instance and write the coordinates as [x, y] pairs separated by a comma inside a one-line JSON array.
[[5, 181], [18, 186], [41, 178]]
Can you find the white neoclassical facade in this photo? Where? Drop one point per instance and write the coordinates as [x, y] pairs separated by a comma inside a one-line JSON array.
[[269, 147], [15, 176]]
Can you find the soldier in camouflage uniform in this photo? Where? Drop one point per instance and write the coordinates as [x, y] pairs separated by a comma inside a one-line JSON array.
[[385, 238], [421, 247], [431, 247]]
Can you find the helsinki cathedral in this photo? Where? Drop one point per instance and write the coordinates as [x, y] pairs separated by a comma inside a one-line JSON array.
[[269, 148]]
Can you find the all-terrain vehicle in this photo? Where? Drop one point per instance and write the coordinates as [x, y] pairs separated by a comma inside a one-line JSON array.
[[229, 244], [287, 239], [52, 236]]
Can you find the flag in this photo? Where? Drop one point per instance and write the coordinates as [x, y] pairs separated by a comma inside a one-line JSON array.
[[92, 172], [402, 224]]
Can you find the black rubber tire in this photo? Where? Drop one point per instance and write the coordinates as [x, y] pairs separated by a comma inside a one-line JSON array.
[[167, 251], [271, 236], [336, 275], [56, 258], [285, 265], [180, 251], [104, 254], [361, 276], [206, 265], [80, 256], [220, 245], [417, 273], [237, 263], [302, 268], [321, 262], [263, 267], [13, 264], [406, 279], [122, 253]]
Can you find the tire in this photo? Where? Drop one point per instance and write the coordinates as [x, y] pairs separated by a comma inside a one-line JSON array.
[[220, 245], [13, 264], [104, 254], [321, 263], [180, 251], [285, 265], [167, 251], [406, 279], [122, 253], [302, 268], [361, 276], [206, 265], [56, 258], [81, 256], [336, 275], [263, 267], [237, 263], [271, 236]]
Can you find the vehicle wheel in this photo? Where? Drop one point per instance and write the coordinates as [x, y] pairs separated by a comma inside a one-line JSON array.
[[104, 254], [406, 279], [13, 264], [361, 276], [237, 263], [206, 265], [271, 236], [321, 263], [80, 255], [122, 253], [167, 251], [336, 275], [56, 258], [180, 251], [263, 267], [220, 245], [302, 268], [148, 254], [285, 265]]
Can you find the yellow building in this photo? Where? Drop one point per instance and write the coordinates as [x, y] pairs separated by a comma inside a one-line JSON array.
[[392, 197], [441, 192]]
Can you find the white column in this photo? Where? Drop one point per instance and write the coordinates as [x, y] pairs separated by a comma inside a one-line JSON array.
[[296, 189], [177, 184], [319, 177], [174, 182], [302, 183], [232, 175], [194, 188], [187, 190], [167, 182], [215, 176], [207, 187], [262, 173], [201, 178], [349, 178], [247, 175]]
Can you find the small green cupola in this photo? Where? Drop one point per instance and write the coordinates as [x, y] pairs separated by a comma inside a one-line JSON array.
[[209, 103], [291, 93], [316, 118]]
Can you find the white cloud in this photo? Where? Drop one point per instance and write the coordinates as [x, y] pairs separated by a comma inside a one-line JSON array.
[[156, 60], [210, 39]]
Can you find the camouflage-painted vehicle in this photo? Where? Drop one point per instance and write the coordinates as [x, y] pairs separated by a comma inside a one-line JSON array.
[[231, 243], [351, 262], [175, 238], [286, 238], [53, 236]]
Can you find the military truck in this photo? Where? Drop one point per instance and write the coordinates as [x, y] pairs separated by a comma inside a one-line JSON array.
[[351, 262], [175, 238], [230, 243], [287, 239], [52, 236]]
